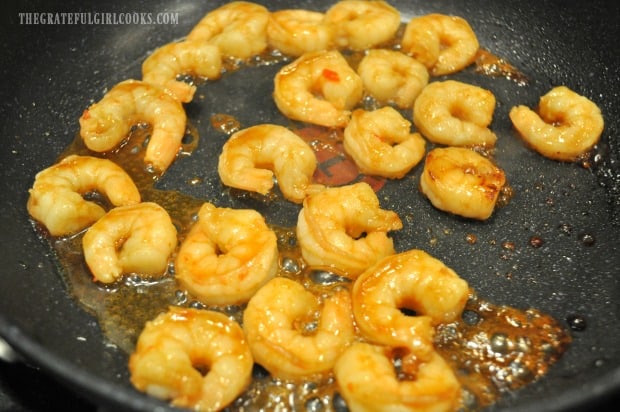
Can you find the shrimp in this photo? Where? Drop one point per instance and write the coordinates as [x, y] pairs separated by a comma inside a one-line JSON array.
[[238, 28], [381, 143], [297, 31], [186, 57], [130, 239], [392, 77], [444, 44], [196, 358], [56, 197], [294, 334], [318, 88], [462, 182], [250, 155], [105, 124], [360, 25], [227, 255], [344, 227], [456, 114], [567, 125]]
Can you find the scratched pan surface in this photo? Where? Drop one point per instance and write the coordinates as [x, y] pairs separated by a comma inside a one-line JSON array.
[[50, 73]]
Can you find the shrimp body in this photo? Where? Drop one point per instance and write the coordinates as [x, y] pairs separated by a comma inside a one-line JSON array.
[[381, 143], [297, 31], [455, 114], [130, 239], [293, 334], [105, 124], [227, 255], [56, 197], [174, 347], [566, 126]]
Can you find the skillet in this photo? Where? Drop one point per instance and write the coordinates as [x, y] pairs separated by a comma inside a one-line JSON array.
[[51, 73]]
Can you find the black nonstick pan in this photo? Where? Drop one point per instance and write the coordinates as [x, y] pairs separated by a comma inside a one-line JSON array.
[[51, 72]]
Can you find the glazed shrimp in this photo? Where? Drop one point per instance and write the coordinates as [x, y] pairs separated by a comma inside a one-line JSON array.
[[566, 126], [318, 88], [462, 182], [227, 255], [130, 239], [56, 197], [297, 31], [455, 114], [381, 143], [105, 124], [444, 44], [293, 334], [252, 156], [331, 224], [392, 77], [177, 345]]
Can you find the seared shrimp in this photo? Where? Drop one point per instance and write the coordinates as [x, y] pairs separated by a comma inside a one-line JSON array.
[[345, 227], [455, 114], [318, 88], [130, 239], [56, 197], [176, 347], [297, 31], [567, 124], [227, 255], [462, 182], [294, 334], [381, 143], [105, 124]]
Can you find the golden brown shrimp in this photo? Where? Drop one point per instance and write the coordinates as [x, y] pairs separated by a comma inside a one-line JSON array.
[[227, 255], [331, 224], [298, 31], [174, 349], [105, 124], [294, 334], [462, 182], [56, 197], [130, 239], [455, 114], [381, 143], [318, 88], [566, 126]]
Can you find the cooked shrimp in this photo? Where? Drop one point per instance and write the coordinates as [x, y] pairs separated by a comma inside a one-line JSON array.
[[360, 24], [344, 227], [318, 88], [227, 255], [392, 77], [250, 155], [293, 333], [462, 182], [197, 359], [130, 239], [456, 114], [105, 124], [444, 44], [381, 143], [238, 28], [567, 125], [297, 31], [56, 197]]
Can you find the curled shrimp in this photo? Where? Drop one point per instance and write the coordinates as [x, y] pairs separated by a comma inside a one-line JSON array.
[[444, 44], [177, 345], [252, 156], [455, 114], [298, 31], [318, 88], [105, 124], [56, 197], [130, 239], [381, 143], [295, 335], [566, 126], [460, 181], [227, 255], [345, 227]]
